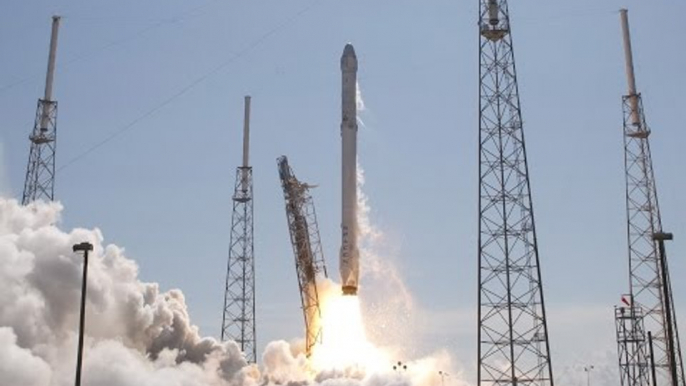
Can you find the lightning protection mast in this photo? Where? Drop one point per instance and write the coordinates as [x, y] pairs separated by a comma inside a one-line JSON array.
[[513, 346], [307, 247], [648, 269], [238, 321], [40, 171]]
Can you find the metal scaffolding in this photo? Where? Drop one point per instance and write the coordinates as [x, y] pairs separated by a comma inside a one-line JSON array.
[[307, 248], [513, 346], [634, 369]]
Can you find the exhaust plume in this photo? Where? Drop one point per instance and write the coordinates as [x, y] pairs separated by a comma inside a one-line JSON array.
[[136, 333]]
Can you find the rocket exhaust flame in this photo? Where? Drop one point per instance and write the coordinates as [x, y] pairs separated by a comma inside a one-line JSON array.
[[346, 347], [350, 254], [141, 335]]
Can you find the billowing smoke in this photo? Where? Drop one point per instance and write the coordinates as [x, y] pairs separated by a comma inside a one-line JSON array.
[[358, 99], [388, 304], [137, 334]]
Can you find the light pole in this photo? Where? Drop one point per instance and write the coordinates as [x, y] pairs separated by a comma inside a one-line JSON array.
[[661, 237], [84, 247], [400, 366], [443, 374], [652, 359], [588, 369]]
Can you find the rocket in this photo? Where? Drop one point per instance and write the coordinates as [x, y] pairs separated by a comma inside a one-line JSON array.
[[350, 254]]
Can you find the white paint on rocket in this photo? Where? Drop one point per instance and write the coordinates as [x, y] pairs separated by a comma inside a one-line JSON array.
[[350, 254]]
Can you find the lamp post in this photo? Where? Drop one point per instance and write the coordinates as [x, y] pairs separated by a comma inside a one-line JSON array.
[[443, 374], [400, 366], [652, 359], [588, 369], [84, 247], [660, 238]]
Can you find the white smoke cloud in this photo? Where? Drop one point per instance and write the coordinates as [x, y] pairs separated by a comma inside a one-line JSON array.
[[387, 302], [358, 99], [136, 333], [359, 104], [18, 366], [393, 316]]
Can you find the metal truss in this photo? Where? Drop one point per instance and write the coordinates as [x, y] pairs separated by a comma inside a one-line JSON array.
[[40, 171], [307, 248], [238, 321], [649, 282], [513, 346], [631, 347]]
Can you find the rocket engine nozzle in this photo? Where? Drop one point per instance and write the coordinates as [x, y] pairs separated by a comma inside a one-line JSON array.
[[349, 290]]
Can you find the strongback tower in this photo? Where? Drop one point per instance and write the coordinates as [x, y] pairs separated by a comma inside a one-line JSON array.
[[40, 171], [513, 344], [648, 270], [238, 321], [307, 247]]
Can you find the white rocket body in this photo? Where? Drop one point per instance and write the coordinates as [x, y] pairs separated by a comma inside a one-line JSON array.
[[350, 254]]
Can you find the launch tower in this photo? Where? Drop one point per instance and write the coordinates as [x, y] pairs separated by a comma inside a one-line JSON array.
[[648, 269], [238, 321], [40, 171], [513, 346], [309, 257]]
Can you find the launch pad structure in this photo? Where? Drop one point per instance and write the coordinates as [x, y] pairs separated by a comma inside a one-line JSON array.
[[650, 286], [513, 346], [513, 339], [40, 170], [307, 248], [238, 319], [634, 364]]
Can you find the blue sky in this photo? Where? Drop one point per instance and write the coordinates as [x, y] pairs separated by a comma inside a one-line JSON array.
[[162, 187]]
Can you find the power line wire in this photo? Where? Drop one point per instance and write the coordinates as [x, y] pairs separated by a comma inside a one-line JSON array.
[[190, 86], [87, 54]]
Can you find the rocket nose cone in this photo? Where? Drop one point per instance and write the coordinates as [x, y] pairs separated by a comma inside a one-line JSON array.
[[349, 50], [349, 59]]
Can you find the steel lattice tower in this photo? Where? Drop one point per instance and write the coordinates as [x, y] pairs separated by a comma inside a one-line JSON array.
[[307, 248], [631, 338], [238, 321], [648, 270], [513, 346], [40, 171]]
